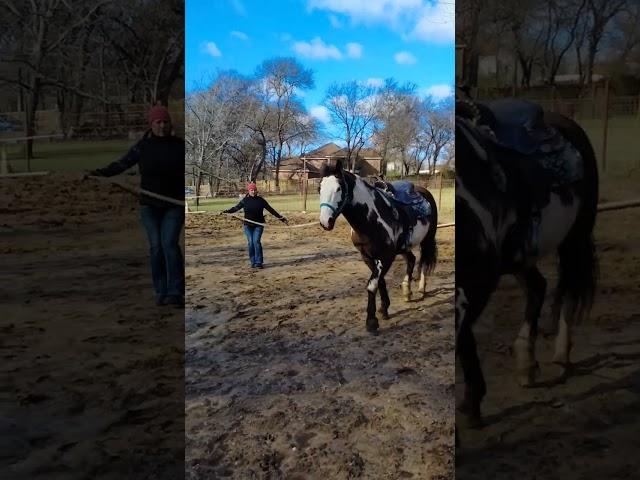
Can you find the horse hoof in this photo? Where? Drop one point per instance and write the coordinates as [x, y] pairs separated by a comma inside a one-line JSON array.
[[407, 298], [385, 315], [373, 331], [528, 377]]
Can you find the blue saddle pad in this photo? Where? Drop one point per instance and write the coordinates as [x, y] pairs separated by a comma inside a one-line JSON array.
[[563, 166], [403, 194]]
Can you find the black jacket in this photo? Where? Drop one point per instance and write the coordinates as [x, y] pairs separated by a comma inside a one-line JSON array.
[[253, 208], [161, 164]]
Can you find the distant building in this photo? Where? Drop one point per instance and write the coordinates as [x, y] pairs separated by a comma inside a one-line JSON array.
[[368, 163]]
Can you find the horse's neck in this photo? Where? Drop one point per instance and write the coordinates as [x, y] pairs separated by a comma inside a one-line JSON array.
[[351, 214]]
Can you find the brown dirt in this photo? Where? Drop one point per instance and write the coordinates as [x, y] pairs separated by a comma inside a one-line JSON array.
[[282, 380], [92, 369], [584, 426]]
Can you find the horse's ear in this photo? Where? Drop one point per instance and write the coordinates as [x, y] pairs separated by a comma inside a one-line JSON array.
[[339, 167]]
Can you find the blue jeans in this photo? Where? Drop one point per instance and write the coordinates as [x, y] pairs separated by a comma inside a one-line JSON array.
[[164, 226], [253, 234]]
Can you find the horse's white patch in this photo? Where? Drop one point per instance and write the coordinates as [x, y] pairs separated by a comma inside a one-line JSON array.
[[555, 222], [423, 279], [372, 286], [363, 196], [419, 232], [461, 309], [563, 342], [486, 220], [523, 349], [330, 193]]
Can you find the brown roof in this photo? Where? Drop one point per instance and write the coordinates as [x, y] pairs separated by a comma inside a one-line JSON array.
[[364, 153], [294, 163], [323, 151]]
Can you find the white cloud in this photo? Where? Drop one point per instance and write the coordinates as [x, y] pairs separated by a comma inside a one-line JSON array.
[[317, 49], [210, 48], [285, 37], [354, 50], [238, 6], [366, 10], [240, 35], [438, 92], [321, 113], [404, 58], [374, 82], [423, 20], [335, 22], [435, 24]]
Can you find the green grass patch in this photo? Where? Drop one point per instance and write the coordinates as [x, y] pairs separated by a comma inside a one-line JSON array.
[[294, 203], [67, 156]]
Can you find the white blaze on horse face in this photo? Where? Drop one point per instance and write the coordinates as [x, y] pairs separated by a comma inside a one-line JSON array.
[[556, 220], [331, 194]]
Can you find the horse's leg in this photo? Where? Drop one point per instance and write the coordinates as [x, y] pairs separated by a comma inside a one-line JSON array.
[[384, 298], [469, 305], [565, 314], [524, 346], [372, 287], [422, 286], [406, 282]]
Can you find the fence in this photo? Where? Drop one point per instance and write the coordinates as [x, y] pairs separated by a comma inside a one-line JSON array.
[[291, 196], [611, 122], [107, 122]]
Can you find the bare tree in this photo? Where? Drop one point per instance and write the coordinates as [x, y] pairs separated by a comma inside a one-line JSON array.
[[353, 107], [393, 101], [279, 80], [600, 12]]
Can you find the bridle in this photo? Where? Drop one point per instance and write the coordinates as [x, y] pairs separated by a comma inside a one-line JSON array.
[[346, 199]]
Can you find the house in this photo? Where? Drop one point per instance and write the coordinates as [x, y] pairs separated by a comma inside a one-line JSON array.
[[368, 163]]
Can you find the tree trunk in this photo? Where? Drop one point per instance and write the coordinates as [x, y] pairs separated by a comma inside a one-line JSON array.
[[198, 184]]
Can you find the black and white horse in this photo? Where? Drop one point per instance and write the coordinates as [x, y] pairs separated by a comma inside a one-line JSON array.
[[379, 229], [491, 240]]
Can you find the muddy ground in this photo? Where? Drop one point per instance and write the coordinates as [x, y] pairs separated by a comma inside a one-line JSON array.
[[282, 380], [92, 370], [586, 425]]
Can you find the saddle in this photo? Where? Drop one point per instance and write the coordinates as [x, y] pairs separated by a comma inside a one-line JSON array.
[[519, 125], [410, 204]]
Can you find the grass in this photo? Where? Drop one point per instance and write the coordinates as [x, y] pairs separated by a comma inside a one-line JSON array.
[[623, 143], [67, 156], [294, 203]]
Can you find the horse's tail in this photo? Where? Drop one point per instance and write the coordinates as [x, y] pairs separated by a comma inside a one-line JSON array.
[[578, 265], [428, 247]]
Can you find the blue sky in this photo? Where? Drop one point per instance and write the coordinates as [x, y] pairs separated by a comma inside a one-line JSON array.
[[340, 40]]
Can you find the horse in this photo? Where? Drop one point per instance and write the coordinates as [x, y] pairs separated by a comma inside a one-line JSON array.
[[381, 229], [496, 189]]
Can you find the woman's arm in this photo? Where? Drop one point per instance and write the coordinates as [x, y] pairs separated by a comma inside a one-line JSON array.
[[127, 161], [272, 211], [236, 208]]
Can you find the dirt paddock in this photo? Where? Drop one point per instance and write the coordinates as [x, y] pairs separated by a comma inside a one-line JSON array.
[[584, 425], [93, 369], [282, 380]]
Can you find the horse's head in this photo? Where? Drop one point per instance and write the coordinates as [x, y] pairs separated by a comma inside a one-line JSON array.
[[333, 194]]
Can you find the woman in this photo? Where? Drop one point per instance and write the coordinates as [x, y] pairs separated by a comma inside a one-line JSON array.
[[160, 157], [253, 206]]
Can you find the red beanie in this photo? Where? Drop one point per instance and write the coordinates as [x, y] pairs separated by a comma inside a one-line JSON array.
[[159, 112], [252, 186]]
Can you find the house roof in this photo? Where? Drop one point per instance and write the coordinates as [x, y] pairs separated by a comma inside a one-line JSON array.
[[364, 153], [323, 151]]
